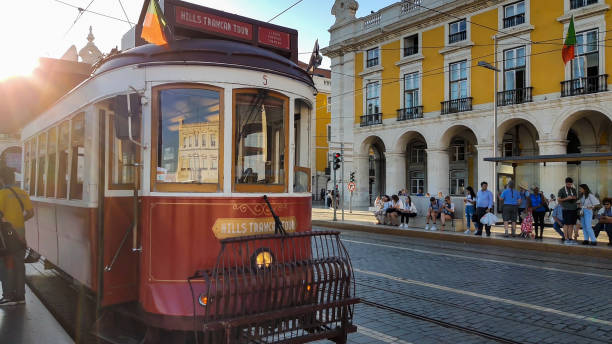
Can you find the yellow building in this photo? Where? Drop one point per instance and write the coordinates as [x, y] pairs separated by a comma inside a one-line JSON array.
[[415, 109], [198, 152]]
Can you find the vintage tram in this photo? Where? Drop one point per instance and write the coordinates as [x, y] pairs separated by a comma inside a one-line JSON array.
[[174, 184]]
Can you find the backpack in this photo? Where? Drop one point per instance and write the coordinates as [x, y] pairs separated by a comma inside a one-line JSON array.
[[10, 242]]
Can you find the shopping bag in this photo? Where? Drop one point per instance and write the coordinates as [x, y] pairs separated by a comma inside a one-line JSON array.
[[488, 219]]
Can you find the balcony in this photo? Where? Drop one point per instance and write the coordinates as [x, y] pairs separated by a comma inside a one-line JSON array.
[[410, 5], [410, 51], [574, 4], [410, 113], [373, 119], [516, 96], [589, 84], [372, 62], [456, 105], [457, 37], [514, 20]]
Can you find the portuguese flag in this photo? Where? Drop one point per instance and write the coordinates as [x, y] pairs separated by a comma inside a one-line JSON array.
[[570, 43], [154, 25]]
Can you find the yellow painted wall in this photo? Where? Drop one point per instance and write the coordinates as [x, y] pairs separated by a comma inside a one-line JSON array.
[[547, 70], [323, 118], [390, 90], [482, 79], [433, 62], [608, 48], [358, 87]]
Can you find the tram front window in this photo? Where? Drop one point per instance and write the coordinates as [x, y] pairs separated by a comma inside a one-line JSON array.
[[188, 121], [260, 118]]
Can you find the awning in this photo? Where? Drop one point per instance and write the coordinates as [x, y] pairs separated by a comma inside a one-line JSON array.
[[552, 158]]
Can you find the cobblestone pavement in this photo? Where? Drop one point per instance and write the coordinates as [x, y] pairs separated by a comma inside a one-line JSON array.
[[469, 293]]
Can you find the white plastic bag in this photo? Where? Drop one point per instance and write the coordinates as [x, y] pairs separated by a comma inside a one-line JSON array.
[[489, 219]]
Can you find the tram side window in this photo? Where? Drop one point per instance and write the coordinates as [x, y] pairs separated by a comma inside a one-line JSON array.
[[33, 167], [51, 165], [41, 165], [186, 114], [123, 155], [63, 158], [77, 168], [26, 167], [260, 141]]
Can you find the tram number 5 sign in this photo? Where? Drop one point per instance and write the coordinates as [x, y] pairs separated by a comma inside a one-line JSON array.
[[351, 186]]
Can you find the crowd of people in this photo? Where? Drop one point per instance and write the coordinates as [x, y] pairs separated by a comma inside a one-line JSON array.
[[570, 211]]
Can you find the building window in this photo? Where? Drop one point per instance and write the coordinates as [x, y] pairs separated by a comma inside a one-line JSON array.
[[261, 141], [123, 155], [372, 57], [411, 90], [514, 69], [51, 164], [185, 110], [457, 182], [417, 182], [213, 140], [581, 3], [458, 150], [372, 98], [514, 14], [411, 45], [77, 145], [63, 159], [329, 134], [458, 80], [457, 31], [329, 104], [203, 141], [26, 166], [586, 62], [417, 153], [42, 164], [508, 147]]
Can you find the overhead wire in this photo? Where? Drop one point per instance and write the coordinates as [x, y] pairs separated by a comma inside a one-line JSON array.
[[93, 12], [125, 14], [285, 10], [79, 15]]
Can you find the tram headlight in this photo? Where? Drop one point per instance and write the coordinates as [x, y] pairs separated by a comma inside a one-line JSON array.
[[203, 300], [262, 258]]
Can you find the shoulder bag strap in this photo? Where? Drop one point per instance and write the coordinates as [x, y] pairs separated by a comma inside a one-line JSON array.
[[18, 199]]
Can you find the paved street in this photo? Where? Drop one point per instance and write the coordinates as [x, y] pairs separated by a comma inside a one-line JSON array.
[[422, 291]]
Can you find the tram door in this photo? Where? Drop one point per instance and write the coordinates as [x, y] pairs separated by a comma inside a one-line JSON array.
[[120, 275]]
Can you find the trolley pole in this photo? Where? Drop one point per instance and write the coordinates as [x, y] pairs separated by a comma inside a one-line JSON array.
[[342, 177]]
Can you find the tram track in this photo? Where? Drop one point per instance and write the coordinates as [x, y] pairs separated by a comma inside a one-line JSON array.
[[449, 324]]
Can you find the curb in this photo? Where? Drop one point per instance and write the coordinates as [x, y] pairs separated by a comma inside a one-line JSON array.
[[598, 251]]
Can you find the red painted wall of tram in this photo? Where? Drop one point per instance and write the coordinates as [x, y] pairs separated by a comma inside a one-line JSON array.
[[178, 239]]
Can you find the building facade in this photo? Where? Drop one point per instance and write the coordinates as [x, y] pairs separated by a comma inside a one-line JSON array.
[[322, 132], [415, 110]]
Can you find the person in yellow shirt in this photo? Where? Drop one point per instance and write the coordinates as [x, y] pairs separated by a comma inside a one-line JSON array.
[[16, 208]]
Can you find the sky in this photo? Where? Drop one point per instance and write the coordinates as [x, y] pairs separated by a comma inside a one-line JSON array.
[[47, 28]]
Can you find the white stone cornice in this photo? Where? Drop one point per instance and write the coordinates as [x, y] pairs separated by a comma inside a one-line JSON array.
[[455, 47], [584, 12], [410, 59], [371, 70], [514, 31]]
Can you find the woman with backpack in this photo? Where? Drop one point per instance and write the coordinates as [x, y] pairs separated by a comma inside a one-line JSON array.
[[538, 205]]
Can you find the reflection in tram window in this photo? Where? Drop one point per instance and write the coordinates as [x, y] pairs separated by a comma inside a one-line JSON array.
[[33, 166], [77, 170], [52, 155], [187, 113], [123, 155], [26, 167], [63, 158], [42, 155], [260, 139]]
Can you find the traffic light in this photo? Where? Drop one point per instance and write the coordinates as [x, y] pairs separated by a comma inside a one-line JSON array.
[[352, 179], [337, 160]]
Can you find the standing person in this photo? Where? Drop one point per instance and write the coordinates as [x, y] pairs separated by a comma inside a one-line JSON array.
[[557, 218], [484, 204], [567, 197], [432, 213], [511, 199], [538, 205], [470, 208], [588, 201], [409, 211], [524, 196], [448, 211], [605, 220], [15, 208]]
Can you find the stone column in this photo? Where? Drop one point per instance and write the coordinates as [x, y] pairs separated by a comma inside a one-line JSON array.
[[361, 196], [395, 172], [486, 169], [437, 171], [552, 176]]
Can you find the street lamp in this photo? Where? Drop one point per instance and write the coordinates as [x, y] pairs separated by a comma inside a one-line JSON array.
[[494, 68]]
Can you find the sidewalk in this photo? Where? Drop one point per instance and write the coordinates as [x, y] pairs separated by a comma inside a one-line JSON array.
[[363, 220]]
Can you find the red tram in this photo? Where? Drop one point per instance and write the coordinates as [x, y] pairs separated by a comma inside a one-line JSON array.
[[148, 181]]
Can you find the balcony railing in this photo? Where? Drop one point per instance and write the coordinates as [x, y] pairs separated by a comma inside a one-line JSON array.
[[410, 51], [456, 105], [590, 84], [373, 119], [372, 20], [514, 20], [410, 113], [516, 96], [372, 62], [410, 5], [457, 37], [581, 3]]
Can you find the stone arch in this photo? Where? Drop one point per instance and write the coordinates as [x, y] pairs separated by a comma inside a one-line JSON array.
[[527, 133], [371, 167], [404, 139], [568, 117], [364, 148], [452, 131]]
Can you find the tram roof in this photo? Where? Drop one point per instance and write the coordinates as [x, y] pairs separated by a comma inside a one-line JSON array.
[[553, 158], [210, 52]]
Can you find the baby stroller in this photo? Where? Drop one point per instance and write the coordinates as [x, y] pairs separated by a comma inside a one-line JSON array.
[[527, 226]]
